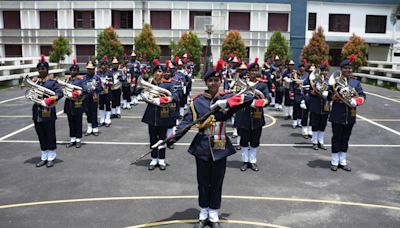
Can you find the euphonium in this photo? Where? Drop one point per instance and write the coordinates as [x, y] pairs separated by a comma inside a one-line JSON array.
[[35, 92], [150, 92], [318, 82], [116, 82], [68, 89], [342, 88]]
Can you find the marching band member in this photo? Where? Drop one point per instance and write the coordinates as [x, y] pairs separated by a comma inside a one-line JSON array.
[[118, 76], [211, 146], [159, 116], [288, 77], [305, 106], [319, 107], [126, 84], [74, 107], [167, 78], [343, 117], [135, 70], [277, 76], [105, 95], [250, 120], [44, 115], [93, 83], [243, 74]]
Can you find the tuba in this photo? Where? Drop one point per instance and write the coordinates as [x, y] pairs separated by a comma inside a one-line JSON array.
[[35, 92], [68, 89], [318, 82], [150, 92], [342, 88]]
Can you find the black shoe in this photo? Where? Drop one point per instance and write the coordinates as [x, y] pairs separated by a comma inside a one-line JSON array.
[[254, 167], [215, 225], [108, 125], [321, 146], [78, 144], [244, 167], [151, 167], [334, 167], [171, 147], [290, 117], [50, 164], [87, 133], [71, 144], [118, 116], [102, 124], [95, 133], [315, 146], [238, 147], [200, 224], [41, 163], [306, 136], [345, 168], [112, 116], [162, 167], [287, 118]]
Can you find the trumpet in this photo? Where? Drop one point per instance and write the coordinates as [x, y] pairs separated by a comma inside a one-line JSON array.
[[318, 82], [68, 89], [342, 88], [35, 92], [150, 92]]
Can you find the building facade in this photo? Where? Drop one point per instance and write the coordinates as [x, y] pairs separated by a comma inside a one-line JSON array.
[[27, 28]]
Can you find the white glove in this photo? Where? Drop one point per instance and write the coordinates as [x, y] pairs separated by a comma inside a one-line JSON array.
[[158, 145], [272, 76], [325, 94], [353, 103], [289, 80], [220, 103], [303, 105], [157, 101]]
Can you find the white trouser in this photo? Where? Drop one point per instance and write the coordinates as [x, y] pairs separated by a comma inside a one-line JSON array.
[[245, 154], [51, 155], [213, 215], [335, 159], [304, 130], [44, 155], [124, 103], [321, 137], [113, 111], [89, 128], [119, 110], [108, 118], [102, 114], [342, 158], [73, 139], [314, 138], [253, 155], [203, 213]]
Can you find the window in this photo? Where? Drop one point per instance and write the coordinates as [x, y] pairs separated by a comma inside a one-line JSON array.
[[45, 49], [193, 14], [375, 24], [84, 19], [239, 21], [48, 19], [278, 22], [160, 19], [339, 22], [13, 50], [312, 21], [84, 53], [335, 55], [122, 19], [165, 51], [11, 20]]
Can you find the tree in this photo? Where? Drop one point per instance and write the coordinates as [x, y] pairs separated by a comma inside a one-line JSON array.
[[146, 45], [188, 43], [356, 46], [60, 48], [233, 44], [278, 46], [108, 44], [317, 50]]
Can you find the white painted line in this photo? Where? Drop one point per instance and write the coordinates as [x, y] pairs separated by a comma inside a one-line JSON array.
[[15, 98], [22, 129], [380, 96], [187, 144], [379, 125]]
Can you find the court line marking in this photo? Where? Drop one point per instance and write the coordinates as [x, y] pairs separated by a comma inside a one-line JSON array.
[[15, 98], [188, 144], [264, 198], [379, 125], [380, 96], [170, 222], [22, 129]]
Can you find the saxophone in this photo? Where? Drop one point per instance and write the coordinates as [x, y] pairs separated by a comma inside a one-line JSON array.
[[35, 92], [341, 88], [68, 89]]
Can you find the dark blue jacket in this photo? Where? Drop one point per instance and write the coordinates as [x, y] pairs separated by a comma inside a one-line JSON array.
[[341, 113], [250, 118], [318, 104], [304, 92], [204, 145], [43, 114], [161, 116], [72, 107], [92, 92]]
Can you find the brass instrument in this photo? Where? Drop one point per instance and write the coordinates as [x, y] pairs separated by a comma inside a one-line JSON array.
[[91, 85], [116, 82], [68, 89], [342, 88], [242, 86], [35, 92], [318, 82], [150, 92]]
